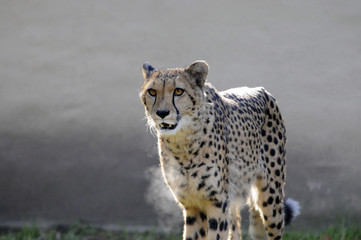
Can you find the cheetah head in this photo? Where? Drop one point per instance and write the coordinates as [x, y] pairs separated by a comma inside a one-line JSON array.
[[171, 96]]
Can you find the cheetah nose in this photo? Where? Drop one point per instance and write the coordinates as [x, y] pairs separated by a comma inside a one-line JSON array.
[[162, 113]]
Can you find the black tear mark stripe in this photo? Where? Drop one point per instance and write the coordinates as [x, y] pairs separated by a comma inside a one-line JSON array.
[[176, 109]]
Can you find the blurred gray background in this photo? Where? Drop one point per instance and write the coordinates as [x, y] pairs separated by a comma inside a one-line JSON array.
[[73, 140]]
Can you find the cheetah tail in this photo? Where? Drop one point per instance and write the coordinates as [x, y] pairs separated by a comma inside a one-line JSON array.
[[292, 210]]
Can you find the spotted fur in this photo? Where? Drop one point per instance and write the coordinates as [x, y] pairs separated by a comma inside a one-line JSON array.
[[218, 152]]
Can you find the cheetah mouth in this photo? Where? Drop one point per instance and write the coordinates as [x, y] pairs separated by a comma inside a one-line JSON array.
[[167, 126]]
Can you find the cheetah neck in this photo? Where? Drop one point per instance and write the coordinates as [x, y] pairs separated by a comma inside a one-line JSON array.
[[185, 140]]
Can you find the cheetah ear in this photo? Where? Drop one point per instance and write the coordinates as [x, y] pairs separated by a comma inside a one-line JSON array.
[[148, 70], [198, 71]]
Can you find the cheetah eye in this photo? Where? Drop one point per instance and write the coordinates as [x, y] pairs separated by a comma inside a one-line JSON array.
[[152, 92], [178, 92]]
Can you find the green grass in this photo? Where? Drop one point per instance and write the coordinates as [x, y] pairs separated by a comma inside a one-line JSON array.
[[85, 232], [340, 232], [80, 231]]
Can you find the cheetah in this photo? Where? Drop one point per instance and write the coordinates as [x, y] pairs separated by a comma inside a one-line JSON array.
[[218, 152]]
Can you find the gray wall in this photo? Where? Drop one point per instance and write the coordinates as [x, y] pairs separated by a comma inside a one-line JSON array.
[[73, 141]]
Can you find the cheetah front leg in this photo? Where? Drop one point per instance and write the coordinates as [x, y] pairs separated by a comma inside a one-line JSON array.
[[235, 227], [195, 224], [217, 220]]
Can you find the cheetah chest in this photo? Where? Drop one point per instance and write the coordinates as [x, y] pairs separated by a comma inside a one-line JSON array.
[[192, 184]]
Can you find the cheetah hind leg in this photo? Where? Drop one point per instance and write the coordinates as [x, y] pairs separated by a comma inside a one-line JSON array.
[[270, 203]]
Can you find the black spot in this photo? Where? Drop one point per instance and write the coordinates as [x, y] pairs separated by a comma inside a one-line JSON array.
[[196, 236], [221, 226], [279, 225], [280, 135], [272, 152], [224, 206], [273, 225], [269, 138], [269, 124], [272, 191], [190, 220], [272, 104], [225, 225], [272, 164], [212, 194], [194, 174], [277, 238], [279, 161], [218, 204], [205, 130], [263, 132], [266, 147], [202, 232], [264, 188], [267, 98], [201, 185], [206, 155], [277, 172], [189, 239], [203, 216], [278, 200], [270, 200], [205, 176], [213, 225], [218, 237]]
